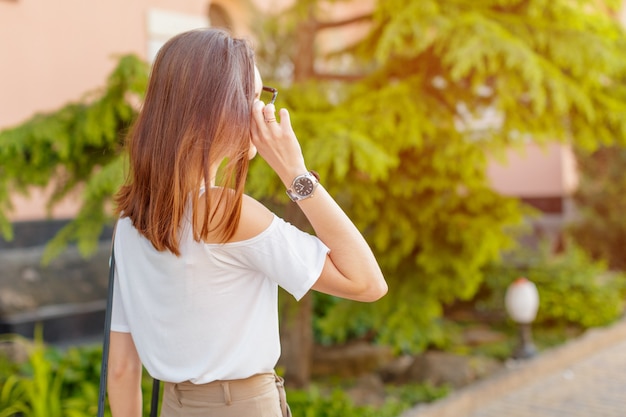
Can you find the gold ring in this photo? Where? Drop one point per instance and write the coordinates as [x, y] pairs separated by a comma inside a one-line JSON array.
[[270, 120]]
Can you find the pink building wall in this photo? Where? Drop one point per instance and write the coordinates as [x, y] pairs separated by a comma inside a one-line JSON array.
[[535, 171], [53, 52]]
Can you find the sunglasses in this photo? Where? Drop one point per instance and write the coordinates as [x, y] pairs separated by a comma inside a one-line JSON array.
[[269, 90]]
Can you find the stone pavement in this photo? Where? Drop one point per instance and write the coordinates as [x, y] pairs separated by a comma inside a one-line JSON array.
[[584, 378]]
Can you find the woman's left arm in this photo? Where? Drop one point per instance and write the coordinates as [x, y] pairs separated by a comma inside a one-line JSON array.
[[124, 376]]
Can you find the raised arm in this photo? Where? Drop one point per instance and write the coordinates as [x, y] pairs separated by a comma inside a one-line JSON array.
[[351, 271]]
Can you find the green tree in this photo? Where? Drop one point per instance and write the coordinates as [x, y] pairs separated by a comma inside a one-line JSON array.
[[433, 88]]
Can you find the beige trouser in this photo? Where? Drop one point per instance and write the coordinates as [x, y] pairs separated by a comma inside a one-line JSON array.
[[257, 396]]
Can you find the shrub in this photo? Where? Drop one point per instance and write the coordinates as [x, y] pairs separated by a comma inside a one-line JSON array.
[[573, 289], [313, 403], [35, 391]]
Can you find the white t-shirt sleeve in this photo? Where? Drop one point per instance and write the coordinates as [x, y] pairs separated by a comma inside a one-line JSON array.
[[288, 256]]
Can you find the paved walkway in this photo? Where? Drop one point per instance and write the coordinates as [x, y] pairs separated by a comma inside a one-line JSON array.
[[594, 387], [584, 378]]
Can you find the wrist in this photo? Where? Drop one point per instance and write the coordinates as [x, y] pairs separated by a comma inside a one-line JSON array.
[[289, 175], [303, 186]]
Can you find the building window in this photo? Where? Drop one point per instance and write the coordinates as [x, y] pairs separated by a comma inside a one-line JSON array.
[[548, 205], [164, 24]]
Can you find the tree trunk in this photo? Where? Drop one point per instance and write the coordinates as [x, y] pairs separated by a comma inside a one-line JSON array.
[[304, 61], [296, 339]]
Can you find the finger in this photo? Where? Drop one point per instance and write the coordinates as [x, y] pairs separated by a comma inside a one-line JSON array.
[[269, 113], [285, 120]]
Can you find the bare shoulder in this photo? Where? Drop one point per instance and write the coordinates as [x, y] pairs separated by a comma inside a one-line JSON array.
[[255, 218]]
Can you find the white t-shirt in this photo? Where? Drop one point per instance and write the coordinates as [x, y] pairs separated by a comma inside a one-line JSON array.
[[211, 313]]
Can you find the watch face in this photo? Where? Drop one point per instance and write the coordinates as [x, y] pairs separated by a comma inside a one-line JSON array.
[[303, 186]]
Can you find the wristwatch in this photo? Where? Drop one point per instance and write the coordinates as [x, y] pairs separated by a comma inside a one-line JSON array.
[[303, 186]]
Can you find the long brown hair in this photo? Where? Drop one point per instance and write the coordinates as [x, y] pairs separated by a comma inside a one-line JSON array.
[[196, 113]]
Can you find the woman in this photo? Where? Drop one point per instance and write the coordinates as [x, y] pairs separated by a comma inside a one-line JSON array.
[[198, 262]]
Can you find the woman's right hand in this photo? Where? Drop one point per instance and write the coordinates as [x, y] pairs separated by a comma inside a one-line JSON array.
[[276, 141]]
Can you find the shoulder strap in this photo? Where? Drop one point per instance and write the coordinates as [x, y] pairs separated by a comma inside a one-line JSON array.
[[107, 332]]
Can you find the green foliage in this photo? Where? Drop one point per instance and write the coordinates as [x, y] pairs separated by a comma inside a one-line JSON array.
[[11, 393], [552, 69], [11, 403], [43, 386], [414, 394], [573, 290], [314, 403], [76, 148], [601, 197], [402, 147], [55, 382]]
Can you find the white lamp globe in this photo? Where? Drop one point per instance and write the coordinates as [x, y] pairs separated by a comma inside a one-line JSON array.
[[522, 301]]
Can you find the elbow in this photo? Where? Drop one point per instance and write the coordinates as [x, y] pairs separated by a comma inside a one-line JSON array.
[[375, 292], [384, 288], [381, 290]]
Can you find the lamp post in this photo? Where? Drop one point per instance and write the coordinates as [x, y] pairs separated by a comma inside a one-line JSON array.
[[522, 302]]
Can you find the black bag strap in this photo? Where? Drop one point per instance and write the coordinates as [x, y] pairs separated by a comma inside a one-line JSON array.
[[154, 404], [107, 335]]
